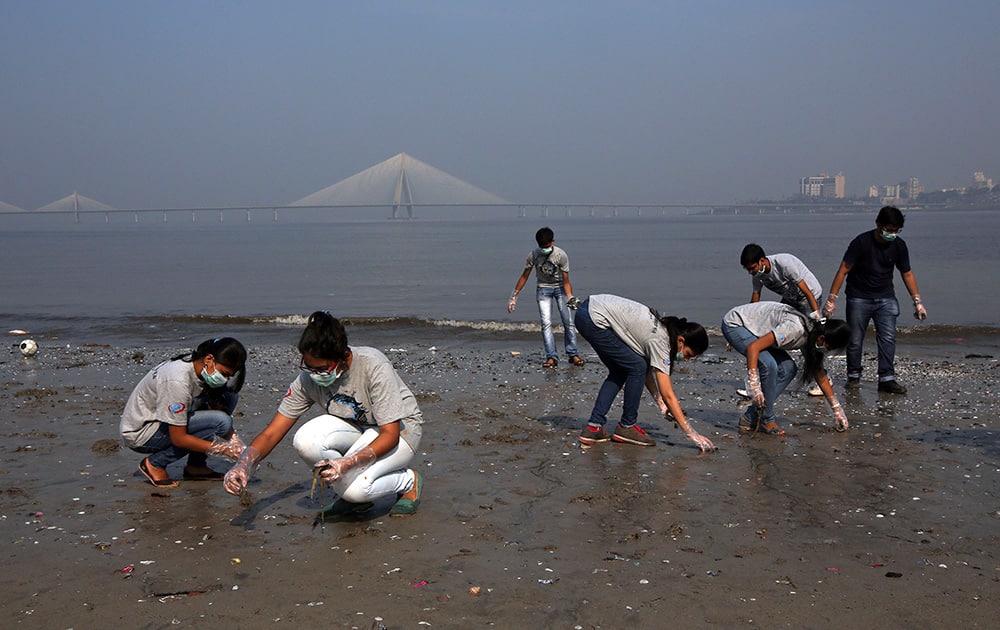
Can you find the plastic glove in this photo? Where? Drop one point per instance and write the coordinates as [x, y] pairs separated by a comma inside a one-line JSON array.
[[830, 306], [334, 469], [230, 449], [573, 303], [512, 304], [839, 416], [703, 442], [753, 387], [919, 312], [239, 475], [816, 317]]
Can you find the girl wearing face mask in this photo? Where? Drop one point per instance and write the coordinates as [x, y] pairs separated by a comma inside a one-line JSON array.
[[639, 347], [368, 434], [183, 407], [763, 332]]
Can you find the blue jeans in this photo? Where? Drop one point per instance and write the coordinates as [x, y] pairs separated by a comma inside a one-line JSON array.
[[204, 424], [775, 368], [626, 368], [883, 311], [546, 297]]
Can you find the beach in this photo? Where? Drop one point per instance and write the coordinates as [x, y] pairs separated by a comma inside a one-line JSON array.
[[891, 524]]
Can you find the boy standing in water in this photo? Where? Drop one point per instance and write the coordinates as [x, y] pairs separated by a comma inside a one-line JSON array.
[[551, 265]]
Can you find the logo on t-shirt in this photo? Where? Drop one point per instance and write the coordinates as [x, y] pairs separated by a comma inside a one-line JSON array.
[[288, 393], [176, 408]]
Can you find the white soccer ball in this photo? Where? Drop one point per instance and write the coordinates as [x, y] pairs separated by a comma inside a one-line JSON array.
[[29, 348]]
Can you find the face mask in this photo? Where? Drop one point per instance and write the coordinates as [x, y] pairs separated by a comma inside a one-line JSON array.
[[761, 270], [545, 250], [889, 236], [679, 357], [213, 380], [821, 349], [325, 379]]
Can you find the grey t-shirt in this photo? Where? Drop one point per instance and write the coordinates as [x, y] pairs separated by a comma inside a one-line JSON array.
[[369, 394], [786, 273], [549, 268], [165, 394], [635, 324], [790, 327]]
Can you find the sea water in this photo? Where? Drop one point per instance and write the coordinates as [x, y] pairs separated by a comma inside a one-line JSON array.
[[114, 278]]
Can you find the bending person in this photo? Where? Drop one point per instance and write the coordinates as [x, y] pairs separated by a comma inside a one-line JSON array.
[[763, 332], [639, 348], [368, 435], [183, 407]]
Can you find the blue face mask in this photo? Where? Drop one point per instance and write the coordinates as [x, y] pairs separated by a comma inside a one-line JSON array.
[[545, 250], [214, 380], [679, 357], [325, 379], [889, 236]]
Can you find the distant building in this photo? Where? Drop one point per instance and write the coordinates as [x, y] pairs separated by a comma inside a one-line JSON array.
[[822, 185], [979, 180]]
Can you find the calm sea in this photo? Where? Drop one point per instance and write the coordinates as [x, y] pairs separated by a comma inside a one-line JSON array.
[[127, 277]]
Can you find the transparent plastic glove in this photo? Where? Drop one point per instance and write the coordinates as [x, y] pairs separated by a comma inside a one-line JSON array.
[[753, 387], [816, 317], [703, 442], [239, 475], [334, 469], [512, 304], [839, 416], [919, 312], [663, 407], [830, 306], [230, 449], [573, 303]]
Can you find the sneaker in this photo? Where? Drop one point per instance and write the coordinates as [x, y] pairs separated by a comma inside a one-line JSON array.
[[747, 425], [853, 382], [632, 435], [593, 435], [891, 387]]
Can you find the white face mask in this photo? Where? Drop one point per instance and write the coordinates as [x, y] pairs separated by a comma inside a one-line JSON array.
[[545, 250]]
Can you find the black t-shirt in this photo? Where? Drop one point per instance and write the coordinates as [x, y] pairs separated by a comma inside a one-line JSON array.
[[873, 260]]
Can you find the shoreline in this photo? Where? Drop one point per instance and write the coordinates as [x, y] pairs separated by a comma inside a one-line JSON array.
[[808, 530]]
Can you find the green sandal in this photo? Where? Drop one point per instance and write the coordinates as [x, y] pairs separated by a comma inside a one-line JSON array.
[[406, 507]]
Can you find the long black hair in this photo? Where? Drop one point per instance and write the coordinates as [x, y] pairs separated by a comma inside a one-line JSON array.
[[227, 351], [836, 333], [695, 335], [324, 337]]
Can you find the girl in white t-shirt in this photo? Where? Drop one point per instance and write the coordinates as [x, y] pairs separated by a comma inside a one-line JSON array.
[[364, 442], [763, 332], [183, 407]]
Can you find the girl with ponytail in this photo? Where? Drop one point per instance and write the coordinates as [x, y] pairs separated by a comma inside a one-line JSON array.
[[639, 347], [763, 332], [183, 407]]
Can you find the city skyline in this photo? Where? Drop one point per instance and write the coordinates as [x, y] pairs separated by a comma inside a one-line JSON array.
[[191, 104]]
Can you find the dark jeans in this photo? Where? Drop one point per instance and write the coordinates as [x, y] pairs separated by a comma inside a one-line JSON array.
[[626, 368], [883, 312], [204, 424]]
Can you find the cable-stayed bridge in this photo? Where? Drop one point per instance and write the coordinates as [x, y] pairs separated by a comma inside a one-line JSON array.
[[400, 183]]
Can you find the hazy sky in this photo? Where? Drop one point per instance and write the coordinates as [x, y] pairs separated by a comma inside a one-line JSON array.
[[181, 104]]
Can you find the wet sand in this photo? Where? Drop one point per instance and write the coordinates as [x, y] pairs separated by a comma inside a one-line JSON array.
[[892, 524]]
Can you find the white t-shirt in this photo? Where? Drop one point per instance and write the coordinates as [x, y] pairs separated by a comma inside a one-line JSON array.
[[635, 324], [369, 394], [786, 273], [790, 327], [165, 394]]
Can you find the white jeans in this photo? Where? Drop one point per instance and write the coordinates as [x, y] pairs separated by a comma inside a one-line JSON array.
[[329, 437]]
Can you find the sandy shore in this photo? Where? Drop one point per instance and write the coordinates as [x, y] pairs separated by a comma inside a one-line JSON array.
[[892, 524]]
